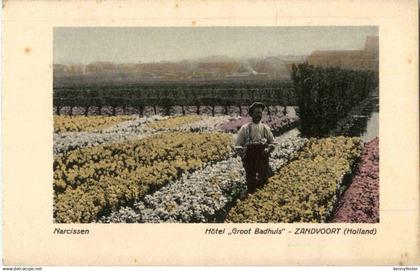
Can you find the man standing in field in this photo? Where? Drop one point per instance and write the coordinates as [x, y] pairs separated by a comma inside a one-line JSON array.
[[254, 144]]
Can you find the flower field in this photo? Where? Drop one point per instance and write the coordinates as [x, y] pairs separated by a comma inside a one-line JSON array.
[[306, 189], [360, 203], [174, 122], [133, 129], [90, 179], [136, 128], [203, 195], [127, 169], [82, 123]]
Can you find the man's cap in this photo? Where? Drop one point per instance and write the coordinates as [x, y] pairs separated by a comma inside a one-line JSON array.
[[255, 105]]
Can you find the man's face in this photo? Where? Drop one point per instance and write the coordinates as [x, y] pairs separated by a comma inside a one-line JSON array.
[[257, 115]]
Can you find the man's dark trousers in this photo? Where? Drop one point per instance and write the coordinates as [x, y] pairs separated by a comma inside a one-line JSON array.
[[257, 168]]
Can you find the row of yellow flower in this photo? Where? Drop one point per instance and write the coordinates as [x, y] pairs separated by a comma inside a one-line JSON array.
[[306, 189], [86, 123], [90, 181], [174, 122]]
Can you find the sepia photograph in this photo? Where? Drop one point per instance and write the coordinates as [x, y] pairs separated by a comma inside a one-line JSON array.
[[216, 124]]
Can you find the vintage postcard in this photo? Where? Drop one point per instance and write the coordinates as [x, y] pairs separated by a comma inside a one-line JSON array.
[[210, 133]]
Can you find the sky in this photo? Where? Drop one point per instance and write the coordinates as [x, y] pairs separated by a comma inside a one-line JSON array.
[[83, 45]]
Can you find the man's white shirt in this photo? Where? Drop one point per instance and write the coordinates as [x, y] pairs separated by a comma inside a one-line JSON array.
[[251, 133]]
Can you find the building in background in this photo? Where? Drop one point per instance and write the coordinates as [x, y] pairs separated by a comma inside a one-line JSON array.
[[366, 59]]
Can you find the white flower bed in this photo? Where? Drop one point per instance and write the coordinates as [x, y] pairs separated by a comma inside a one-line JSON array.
[[204, 195], [209, 124], [133, 129]]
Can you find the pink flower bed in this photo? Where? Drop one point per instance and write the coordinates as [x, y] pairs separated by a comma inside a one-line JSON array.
[[360, 202]]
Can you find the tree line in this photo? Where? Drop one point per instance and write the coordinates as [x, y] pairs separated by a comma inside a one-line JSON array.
[[325, 95], [168, 96]]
